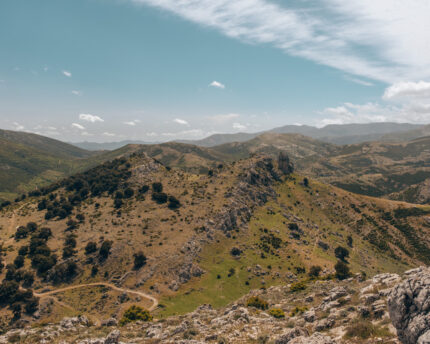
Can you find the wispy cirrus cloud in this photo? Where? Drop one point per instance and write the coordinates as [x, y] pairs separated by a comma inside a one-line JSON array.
[[362, 37]]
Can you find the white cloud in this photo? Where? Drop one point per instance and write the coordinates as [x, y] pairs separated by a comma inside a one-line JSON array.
[[67, 73], [18, 126], [108, 134], [76, 93], [384, 40], [239, 126], [78, 126], [217, 84], [223, 118], [180, 121], [90, 118], [132, 123], [419, 89]]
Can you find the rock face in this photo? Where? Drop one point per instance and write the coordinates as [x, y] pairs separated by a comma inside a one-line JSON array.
[[409, 307]]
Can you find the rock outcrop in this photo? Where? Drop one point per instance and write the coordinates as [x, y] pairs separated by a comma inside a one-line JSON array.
[[409, 307]]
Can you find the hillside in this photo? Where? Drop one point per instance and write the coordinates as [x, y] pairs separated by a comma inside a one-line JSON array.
[[185, 239], [29, 161]]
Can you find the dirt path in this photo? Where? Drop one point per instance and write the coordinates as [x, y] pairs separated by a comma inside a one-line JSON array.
[[111, 286]]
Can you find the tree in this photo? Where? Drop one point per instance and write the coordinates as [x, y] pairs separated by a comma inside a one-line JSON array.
[[349, 240], [157, 187], [139, 260], [117, 203], [128, 193], [21, 233], [314, 271], [91, 247], [28, 279], [159, 197], [105, 249], [19, 261], [173, 203], [342, 270], [32, 227], [144, 189], [341, 253], [306, 182]]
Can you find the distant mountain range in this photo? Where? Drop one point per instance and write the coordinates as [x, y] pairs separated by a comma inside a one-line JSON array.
[[335, 133]]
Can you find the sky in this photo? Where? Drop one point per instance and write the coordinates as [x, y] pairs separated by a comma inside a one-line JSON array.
[[159, 70]]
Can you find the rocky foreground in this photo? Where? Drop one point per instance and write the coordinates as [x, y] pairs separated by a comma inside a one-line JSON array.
[[385, 309]]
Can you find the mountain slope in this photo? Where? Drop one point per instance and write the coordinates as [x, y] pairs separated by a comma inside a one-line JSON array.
[[205, 238]]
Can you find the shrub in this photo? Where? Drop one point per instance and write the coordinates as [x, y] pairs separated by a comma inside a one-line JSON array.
[[128, 193], [28, 279], [159, 197], [298, 310], [173, 203], [23, 250], [306, 182], [349, 240], [63, 272], [21, 233], [364, 329], [31, 226], [135, 313], [91, 247], [314, 271], [277, 313], [139, 260], [117, 203], [341, 253], [235, 251], [105, 249], [157, 187], [256, 302], [144, 189], [297, 286], [19, 261], [342, 270]]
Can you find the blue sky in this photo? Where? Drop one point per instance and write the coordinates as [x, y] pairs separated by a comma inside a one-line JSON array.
[[156, 70]]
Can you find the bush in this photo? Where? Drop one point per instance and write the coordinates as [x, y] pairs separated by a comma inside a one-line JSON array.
[[364, 329], [297, 286], [256, 302], [135, 313], [173, 203], [342, 270], [139, 260], [157, 187], [21, 233], [117, 203], [341, 253], [159, 197], [277, 313], [19, 261], [144, 189], [235, 251], [314, 271], [91, 247], [306, 182], [31, 226], [298, 310], [128, 193], [28, 279], [105, 249]]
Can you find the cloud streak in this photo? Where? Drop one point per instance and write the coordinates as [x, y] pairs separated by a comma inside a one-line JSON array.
[[90, 118], [359, 37], [217, 84]]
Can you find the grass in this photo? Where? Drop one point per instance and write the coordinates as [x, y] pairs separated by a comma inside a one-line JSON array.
[[365, 329]]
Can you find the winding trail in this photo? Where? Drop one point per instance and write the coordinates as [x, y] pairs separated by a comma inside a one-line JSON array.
[[104, 284]]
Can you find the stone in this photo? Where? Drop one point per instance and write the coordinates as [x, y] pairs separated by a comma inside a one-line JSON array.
[[113, 337], [409, 306]]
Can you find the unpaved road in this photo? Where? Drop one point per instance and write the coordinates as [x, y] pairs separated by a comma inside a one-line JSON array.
[[111, 286]]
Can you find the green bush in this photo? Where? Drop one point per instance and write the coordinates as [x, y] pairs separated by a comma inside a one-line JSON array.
[[297, 286], [277, 313], [364, 329], [256, 302], [314, 271], [298, 310], [135, 313]]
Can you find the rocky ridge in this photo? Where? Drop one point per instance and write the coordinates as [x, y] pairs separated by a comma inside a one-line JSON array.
[[326, 312]]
